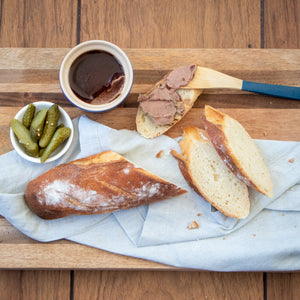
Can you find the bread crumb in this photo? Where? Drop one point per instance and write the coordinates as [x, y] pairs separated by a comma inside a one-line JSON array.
[[159, 154], [283, 215], [265, 133], [254, 235], [291, 160], [193, 225], [224, 238], [198, 214]]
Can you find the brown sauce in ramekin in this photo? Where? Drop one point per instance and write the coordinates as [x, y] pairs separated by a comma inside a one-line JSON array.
[[94, 73]]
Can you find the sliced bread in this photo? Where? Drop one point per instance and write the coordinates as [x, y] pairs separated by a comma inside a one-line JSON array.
[[238, 150], [148, 129], [209, 176]]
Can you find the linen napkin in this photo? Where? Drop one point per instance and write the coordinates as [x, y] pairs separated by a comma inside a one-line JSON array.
[[16, 172], [163, 226]]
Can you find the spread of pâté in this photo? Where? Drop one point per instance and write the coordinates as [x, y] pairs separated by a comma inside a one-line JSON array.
[[96, 77], [163, 102]]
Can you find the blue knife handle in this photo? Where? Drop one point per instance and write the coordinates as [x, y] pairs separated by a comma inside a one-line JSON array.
[[282, 91]]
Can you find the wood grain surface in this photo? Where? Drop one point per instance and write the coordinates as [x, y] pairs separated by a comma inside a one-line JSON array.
[[37, 23], [176, 285], [224, 25], [283, 286], [172, 24], [34, 284], [281, 24]]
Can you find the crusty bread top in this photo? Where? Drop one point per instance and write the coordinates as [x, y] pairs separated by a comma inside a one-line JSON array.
[[208, 175], [238, 150], [96, 184]]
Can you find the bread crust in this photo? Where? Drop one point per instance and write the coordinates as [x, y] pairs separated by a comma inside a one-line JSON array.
[[218, 139], [97, 184], [214, 123], [193, 135], [183, 166]]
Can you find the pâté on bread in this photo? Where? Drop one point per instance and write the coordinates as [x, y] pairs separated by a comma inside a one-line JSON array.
[[90, 186]]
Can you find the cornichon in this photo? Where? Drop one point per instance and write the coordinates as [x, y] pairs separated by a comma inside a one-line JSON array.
[[24, 138], [37, 124], [60, 135], [50, 125], [42, 150], [61, 125], [28, 115]]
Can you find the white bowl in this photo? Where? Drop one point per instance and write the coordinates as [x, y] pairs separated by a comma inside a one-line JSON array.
[[84, 47], [61, 150]]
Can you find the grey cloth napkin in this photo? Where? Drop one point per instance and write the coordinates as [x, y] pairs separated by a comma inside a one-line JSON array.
[[266, 240]]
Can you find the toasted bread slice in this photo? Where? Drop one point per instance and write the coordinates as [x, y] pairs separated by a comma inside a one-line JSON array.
[[209, 176], [148, 129], [238, 150]]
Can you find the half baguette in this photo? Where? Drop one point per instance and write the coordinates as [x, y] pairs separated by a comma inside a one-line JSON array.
[[208, 175], [238, 150], [148, 129], [97, 184]]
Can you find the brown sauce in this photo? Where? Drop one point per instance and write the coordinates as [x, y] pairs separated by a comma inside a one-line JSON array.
[[92, 73]]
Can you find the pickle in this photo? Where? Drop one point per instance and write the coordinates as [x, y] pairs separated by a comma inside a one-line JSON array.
[[61, 125], [50, 125], [37, 124], [28, 115], [60, 135], [42, 150], [23, 135]]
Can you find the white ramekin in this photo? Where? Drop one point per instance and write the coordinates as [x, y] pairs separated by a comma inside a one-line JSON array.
[[82, 48]]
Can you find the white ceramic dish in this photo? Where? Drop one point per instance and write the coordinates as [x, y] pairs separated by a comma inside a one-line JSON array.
[[61, 150], [84, 47]]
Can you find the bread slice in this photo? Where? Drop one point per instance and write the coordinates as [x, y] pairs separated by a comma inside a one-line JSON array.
[[238, 150], [148, 129], [208, 175], [97, 184]]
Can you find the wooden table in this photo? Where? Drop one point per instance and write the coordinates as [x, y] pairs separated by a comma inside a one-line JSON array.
[[216, 34]]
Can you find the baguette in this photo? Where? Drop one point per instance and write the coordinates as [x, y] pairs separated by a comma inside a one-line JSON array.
[[97, 184], [208, 175], [238, 150], [145, 125]]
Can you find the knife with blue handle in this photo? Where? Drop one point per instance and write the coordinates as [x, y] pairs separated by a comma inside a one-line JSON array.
[[283, 91], [205, 78]]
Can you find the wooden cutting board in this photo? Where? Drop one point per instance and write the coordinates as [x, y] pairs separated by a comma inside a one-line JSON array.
[[28, 75]]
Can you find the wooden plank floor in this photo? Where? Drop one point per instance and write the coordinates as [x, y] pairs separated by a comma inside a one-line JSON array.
[[149, 24]]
